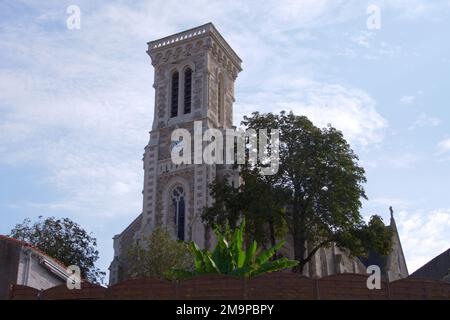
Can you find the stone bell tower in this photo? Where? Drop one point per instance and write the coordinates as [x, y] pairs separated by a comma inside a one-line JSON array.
[[194, 75]]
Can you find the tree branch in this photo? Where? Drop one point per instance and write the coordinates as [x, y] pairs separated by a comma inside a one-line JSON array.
[[313, 251]]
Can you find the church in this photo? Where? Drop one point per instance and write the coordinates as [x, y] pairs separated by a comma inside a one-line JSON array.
[[194, 77]]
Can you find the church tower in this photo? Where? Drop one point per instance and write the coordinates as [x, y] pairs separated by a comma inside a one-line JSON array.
[[194, 76]]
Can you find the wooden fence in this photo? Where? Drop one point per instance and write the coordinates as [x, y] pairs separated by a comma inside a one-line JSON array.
[[274, 286]]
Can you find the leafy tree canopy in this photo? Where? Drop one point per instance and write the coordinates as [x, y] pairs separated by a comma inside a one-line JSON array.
[[258, 200], [158, 255], [64, 240], [316, 193]]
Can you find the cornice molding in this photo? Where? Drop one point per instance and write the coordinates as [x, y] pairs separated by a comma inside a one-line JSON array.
[[159, 49]]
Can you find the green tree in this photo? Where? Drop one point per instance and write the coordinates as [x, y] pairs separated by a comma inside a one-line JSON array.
[[263, 206], [257, 200], [158, 255], [63, 240], [260, 199], [227, 207], [321, 174]]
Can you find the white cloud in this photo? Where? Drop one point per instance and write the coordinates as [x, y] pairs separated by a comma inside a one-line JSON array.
[[367, 44], [396, 203], [424, 235], [81, 116], [363, 38], [402, 161], [407, 100], [424, 120], [444, 146], [414, 9], [348, 109]]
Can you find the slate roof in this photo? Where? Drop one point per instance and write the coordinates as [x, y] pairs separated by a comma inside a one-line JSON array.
[[437, 268]]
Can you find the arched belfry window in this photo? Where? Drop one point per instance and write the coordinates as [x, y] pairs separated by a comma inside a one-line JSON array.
[[187, 90], [220, 111], [174, 94], [179, 208]]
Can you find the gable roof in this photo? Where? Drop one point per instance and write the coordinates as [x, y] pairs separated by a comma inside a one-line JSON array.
[[53, 265], [437, 268]]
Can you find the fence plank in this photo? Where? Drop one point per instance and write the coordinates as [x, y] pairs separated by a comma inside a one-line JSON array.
[[419, 289], [212, 287], [347, 286], [281, 286], [273, 286], [88, 291], [142, 289]]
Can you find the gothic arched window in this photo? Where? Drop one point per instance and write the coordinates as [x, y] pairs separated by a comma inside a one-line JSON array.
[[220, 111], [187, 90], [178, 204], [174, 94]]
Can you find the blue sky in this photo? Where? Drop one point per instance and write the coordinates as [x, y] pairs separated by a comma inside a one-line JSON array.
[[76, 105]]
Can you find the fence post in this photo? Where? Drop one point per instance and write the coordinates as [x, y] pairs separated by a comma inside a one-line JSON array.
[[176, 284], [245, 288], [12, 289], [388, 288], [316, 286]]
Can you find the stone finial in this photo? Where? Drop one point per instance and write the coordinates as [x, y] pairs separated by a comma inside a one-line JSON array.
[[392, 224]]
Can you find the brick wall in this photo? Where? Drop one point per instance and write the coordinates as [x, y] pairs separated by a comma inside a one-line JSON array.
[[275, 286], [9, 262]]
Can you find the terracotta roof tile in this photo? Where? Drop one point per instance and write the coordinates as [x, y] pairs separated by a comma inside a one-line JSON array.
[[26, 244]]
